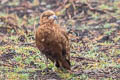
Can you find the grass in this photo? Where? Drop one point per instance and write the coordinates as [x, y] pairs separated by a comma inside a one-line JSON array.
[[28, 57], [25, 59]]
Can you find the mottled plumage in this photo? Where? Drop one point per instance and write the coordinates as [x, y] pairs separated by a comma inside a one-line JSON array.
[[53, 41]]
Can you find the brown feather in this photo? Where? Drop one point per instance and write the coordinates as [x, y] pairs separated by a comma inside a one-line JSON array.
[[53, 41]]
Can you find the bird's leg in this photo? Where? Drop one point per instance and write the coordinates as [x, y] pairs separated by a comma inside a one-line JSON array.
[[58, 65], [46, 62]]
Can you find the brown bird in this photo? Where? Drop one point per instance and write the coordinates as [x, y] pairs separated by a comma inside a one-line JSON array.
[[52, 40]]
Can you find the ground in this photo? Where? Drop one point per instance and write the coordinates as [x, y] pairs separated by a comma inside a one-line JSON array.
[[93, 28]]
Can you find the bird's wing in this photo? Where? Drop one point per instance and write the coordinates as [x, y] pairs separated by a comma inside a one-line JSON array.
[[64, 58], [66, 45], [39, 38]]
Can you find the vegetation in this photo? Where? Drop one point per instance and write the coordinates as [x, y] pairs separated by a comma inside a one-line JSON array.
[[93, 28]]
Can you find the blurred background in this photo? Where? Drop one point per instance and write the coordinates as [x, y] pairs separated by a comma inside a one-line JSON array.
[[93, 27]]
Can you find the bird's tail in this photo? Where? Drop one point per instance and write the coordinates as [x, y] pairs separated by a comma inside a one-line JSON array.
[[63, 63]]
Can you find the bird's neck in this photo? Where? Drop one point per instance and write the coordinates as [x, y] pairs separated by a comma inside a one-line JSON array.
[[46, 22], [52, 24]]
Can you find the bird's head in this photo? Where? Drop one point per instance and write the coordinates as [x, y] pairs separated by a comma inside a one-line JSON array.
[[48, 17]]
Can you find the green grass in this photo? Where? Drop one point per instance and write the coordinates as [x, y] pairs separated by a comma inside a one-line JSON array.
[[27, 59]]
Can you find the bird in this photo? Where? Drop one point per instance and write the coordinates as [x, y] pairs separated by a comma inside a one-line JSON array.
[[52, 40]]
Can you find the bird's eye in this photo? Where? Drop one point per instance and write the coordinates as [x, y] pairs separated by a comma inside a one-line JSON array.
[[46, 16]]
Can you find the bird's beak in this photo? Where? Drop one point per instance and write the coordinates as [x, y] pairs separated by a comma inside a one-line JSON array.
[[53, 17]]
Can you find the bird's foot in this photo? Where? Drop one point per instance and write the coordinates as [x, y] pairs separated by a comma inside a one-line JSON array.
[[46, 70]]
